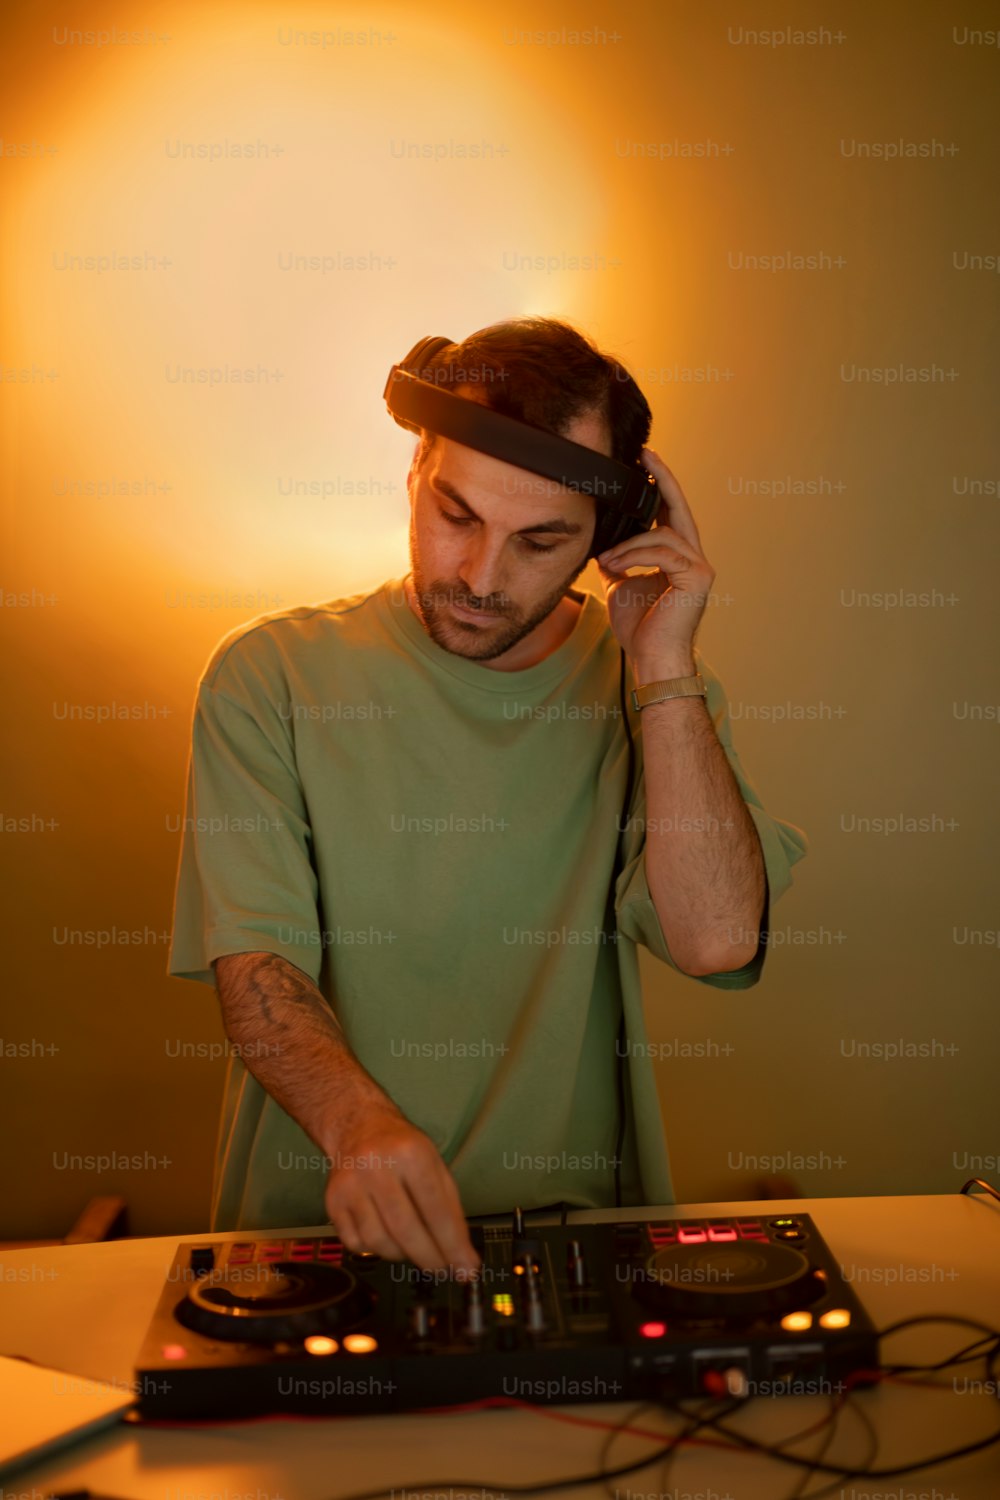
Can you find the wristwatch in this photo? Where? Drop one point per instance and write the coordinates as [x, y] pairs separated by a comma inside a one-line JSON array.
[[670, 687]]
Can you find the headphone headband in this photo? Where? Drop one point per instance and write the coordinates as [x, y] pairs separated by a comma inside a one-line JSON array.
[[631, 491]]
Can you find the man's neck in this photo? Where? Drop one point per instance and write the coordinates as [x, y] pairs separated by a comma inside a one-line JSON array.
[[552, 633]]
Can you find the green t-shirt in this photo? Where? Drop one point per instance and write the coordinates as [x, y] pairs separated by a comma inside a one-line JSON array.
[[432, 841]]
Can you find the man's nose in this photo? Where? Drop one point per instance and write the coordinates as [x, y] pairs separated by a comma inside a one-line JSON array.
[[481, 570]]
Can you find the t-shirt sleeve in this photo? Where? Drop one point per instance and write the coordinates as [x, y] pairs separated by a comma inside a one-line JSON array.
[[246, 880], [782, 845]]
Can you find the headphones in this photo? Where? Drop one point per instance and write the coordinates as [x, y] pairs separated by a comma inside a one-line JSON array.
[[627, 494]]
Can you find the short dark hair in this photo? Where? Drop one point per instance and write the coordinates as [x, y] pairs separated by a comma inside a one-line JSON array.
[[544, 372]]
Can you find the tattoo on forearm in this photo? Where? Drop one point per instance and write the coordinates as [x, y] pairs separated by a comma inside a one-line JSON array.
[[262, 985]]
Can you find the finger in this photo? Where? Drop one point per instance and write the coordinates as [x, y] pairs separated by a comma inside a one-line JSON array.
[[435, 1195], [346, 1230], [403, 1222], [644, 588], [657, 536], [678, 508], [667, 559], [372, 1228]]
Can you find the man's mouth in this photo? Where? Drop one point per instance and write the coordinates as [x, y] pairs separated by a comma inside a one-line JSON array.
[[474, 614]]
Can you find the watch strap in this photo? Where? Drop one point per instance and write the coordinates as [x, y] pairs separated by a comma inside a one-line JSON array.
[[669, 687]]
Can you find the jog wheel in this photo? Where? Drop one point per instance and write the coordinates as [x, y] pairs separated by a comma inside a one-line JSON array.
[[742, 1280], [281, 1300]]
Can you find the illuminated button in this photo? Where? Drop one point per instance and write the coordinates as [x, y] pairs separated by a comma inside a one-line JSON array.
[[784, 1223], [174, 1351], [318, 1343], [794, 1322], [789, 1234], [652, 1330], [240, 1252], [721, 1233], [503, 1303], [270, 1250], [360, 1343], [691, 1236], [837, 1317], [329, 1250]]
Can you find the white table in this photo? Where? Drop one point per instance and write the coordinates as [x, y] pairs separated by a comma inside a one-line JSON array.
[[85, 1308]]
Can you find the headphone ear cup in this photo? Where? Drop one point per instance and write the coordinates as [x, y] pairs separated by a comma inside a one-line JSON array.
[[612, 528]]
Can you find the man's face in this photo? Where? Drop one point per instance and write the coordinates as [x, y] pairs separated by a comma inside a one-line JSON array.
[[494, 548]]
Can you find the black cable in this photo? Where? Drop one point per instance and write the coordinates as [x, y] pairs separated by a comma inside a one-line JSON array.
[[775, 1450], [501, 1490], [738, 1439], [834, 1426], [628, 735], [619, 864], [694, 1425], [942, 1364], [606, 1446], [831, 1425], [980, 1182], [828, 1431]]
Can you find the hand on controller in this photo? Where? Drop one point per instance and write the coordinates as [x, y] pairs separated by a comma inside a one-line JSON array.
[[390, 1191]]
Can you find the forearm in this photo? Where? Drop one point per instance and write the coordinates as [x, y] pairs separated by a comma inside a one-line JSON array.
[[291, 1041], [704, 866]]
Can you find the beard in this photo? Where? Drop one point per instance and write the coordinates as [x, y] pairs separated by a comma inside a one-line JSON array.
[[490, 638]]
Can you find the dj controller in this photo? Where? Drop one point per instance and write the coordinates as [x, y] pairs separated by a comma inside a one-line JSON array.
[[555, 1314]]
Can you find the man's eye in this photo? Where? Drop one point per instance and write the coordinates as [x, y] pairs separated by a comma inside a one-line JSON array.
[[467, 521]]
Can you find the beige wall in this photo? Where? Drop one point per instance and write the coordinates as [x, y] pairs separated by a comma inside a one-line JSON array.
[[888, 711]]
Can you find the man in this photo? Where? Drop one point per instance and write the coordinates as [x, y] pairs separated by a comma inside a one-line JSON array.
[[398, 864]]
